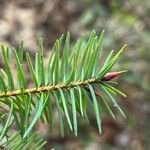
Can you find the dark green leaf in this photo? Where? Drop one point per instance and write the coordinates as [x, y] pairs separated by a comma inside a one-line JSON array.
[[65, 108], [96, 107], [74, 111], [32, 69]]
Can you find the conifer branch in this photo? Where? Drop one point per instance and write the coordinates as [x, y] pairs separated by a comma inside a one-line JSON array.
[[56, 87], [72, 78]]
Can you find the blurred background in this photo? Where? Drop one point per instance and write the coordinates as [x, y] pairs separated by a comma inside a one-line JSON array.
[[125, 22]]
